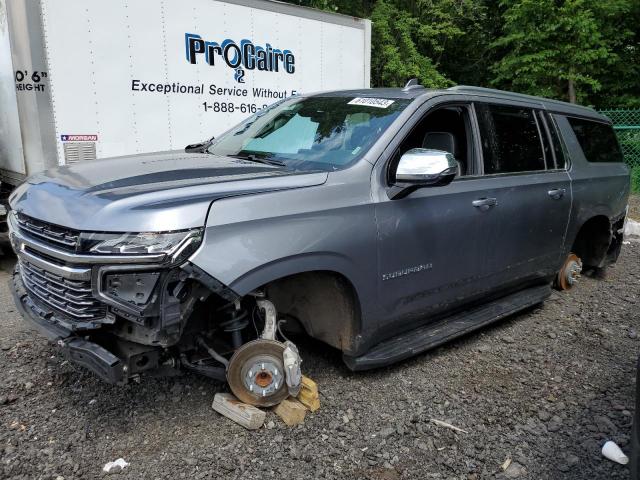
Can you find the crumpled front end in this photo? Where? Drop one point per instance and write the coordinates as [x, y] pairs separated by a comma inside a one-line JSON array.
[[116, 314]]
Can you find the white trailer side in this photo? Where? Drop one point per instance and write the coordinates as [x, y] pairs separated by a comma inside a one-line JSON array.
[[96, 79], [11, 154]]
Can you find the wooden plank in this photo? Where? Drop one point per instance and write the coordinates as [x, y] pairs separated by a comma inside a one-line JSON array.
[[243, 414], [309, 384], [309, 395], [291, 411]]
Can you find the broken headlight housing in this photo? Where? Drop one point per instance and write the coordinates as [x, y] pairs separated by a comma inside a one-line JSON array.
[[177, 244]]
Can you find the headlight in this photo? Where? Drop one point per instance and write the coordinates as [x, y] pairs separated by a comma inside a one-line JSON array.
[[181, 243]]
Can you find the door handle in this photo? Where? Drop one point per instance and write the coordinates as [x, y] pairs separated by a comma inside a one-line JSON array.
[[556, 193], [485, 204]]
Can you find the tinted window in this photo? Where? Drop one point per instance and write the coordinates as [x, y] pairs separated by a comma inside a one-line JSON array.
[[451, 122], [598, 140], [510, 139]]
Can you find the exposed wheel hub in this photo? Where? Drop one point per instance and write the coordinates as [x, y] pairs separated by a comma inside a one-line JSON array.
[[256, 373], [573, 272], [570, 272], [262, 376]]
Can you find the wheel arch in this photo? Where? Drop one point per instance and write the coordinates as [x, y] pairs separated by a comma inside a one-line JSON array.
[[594, 240], [317, 290]]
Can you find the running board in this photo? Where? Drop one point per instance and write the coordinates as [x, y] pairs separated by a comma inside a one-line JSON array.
[[433, 335]]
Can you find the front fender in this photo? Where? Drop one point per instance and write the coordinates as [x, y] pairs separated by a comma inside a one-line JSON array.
[[253, 240]]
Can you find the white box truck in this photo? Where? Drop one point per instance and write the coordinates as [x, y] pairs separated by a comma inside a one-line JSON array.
[[86, 79]]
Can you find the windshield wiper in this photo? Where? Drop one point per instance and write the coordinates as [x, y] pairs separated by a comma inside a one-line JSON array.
[[255, 158]]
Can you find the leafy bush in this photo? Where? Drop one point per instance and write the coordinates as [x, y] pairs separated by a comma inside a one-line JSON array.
[[635, 179]]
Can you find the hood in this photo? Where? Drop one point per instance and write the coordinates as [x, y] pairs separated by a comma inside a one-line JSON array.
[[149, 192]]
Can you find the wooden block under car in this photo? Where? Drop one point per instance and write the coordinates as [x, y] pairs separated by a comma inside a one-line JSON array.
[[291, 411], [309, 385], [248, 416], [309, 395]]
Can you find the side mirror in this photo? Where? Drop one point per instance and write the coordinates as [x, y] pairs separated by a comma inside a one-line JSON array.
[[422, 167], [198, 147]]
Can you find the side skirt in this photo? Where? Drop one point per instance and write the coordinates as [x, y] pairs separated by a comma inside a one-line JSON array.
[[433, 335]]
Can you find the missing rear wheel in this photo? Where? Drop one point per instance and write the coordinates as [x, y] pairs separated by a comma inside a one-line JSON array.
[[569, 273]]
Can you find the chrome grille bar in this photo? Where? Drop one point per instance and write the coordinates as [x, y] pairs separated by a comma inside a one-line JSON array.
[[62, 237], [59, 277], [54, 285], [71, 273], [72, 298]]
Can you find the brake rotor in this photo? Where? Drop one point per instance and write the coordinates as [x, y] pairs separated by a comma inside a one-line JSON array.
[[256, 373], [569, 273]]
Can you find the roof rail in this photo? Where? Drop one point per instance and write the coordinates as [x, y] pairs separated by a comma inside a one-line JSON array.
[[494, 91], [412, 84], [504, 93], [550, 103]]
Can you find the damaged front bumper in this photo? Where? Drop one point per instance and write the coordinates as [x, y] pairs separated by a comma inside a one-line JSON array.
[[77, 349], [118, 316]]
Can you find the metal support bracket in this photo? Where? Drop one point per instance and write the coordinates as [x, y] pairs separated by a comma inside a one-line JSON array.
[[270, 314]]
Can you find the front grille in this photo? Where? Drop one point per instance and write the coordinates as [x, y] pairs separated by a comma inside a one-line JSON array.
[[71, 298], [60, 237]]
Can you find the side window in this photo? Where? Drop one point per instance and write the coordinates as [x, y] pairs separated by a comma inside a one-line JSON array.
[[598, 140], [446, 128], [510, 139]]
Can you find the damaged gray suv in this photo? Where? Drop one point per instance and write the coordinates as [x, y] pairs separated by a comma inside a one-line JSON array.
[[382, 222]]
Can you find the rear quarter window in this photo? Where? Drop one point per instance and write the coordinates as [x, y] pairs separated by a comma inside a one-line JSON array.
[[597, 140]]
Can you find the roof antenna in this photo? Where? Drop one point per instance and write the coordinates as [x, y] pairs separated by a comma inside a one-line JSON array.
[[411, 84]]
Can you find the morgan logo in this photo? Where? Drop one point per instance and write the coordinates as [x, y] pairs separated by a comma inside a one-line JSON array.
[[79, 138], [245, 56]]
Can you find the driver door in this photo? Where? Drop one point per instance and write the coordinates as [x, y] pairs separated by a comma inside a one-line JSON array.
[[432, 244]]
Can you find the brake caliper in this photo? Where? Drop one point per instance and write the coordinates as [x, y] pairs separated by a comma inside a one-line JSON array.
[[293, 374]]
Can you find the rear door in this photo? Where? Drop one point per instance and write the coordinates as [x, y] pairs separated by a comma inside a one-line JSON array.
[[530, 190]]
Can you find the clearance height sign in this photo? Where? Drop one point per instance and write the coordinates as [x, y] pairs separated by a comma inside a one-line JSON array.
[[150, 75]]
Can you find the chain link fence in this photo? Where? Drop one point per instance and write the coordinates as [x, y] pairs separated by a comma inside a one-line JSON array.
[[626, 123]]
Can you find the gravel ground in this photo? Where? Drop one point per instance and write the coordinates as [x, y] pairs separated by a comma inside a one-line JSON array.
[[542, 390]]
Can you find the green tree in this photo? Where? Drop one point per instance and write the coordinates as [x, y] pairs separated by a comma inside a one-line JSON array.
[[557, 48], [417, 38], [396, 34], [621, 79], [579, 50], [411, 38]]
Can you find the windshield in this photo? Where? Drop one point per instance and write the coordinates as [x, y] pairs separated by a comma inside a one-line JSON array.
[[317, 133]]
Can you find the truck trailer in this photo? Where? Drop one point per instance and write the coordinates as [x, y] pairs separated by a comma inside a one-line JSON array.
[[86, 79]]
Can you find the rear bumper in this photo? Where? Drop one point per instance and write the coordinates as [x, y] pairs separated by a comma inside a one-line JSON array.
[[83, 352]]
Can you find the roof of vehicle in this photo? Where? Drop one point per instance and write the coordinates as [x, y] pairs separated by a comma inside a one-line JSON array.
[[415, 91], [549, 104], [378, 92]]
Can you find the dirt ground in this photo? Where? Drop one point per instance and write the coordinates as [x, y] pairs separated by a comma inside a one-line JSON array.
[[634, 207], [542, 390]]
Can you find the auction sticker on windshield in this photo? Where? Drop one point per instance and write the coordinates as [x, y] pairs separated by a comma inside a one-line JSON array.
[[371, 102]]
